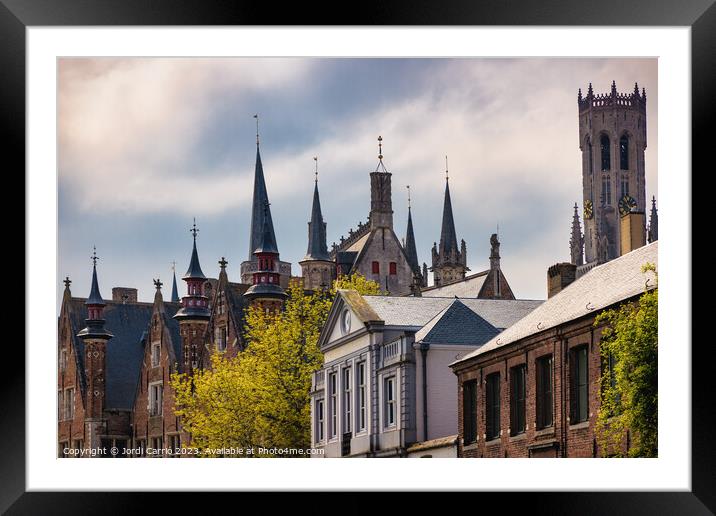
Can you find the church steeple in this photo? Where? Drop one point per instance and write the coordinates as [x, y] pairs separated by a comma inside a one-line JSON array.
[[317, 247], [449, 262], [653, 222], [576, 241], [410, 248], [260, 201]]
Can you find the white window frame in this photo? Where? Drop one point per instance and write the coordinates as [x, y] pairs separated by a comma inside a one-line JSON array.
[[361, 397], [320, 419], [332, 406], [156, 409], [390, 379], [347, 388]]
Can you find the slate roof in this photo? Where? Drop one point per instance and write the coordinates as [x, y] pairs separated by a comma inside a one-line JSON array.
[[317, 248], [456, 324], [259, 209], [418, 311], [468, 287], [194, 270], [125, 351], [410, 250], [95, 298], [448, 237], [603, 286]]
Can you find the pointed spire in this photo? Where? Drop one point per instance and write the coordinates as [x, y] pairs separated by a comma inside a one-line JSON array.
[[317, 248], [95, 298], [576, 241], [643, 94], [579, 95], [653, 235], [175, 291], [614, 89], [194, 270], [268, 240], [448, 237], [410, 248], [590, 91], [260, 200], [636, 89]]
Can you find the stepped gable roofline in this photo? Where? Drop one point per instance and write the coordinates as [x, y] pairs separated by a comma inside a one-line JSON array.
[[353, 237], [603, 286]]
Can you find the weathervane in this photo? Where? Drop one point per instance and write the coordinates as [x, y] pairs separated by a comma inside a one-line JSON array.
[[94, 255], [256, 116], [447, 176], [193, 230], [174, 266], [380, 148], [315, 158], [408, 187]]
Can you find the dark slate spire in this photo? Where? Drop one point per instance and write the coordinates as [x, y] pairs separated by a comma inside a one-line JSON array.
[[410, 249], [175, 291], [194, 270], [317, 248], [267, 244], [95, 298], [653, 222], [95, 309], [576, 241], [260, 201], [448, 238]]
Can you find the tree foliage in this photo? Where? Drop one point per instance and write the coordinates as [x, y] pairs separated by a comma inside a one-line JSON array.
[[261, 397], [629, 387]]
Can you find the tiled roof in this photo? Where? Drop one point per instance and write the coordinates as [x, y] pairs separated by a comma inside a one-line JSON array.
[[456, 324], [418, 311], [468, 287], [127, 322], [601, 287]]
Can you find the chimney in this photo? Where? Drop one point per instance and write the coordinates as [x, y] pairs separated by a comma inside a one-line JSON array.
[[559, 276], [633, 231], [124, 295]]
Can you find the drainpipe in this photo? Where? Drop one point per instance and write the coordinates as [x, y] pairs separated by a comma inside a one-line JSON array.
[[424, 353]]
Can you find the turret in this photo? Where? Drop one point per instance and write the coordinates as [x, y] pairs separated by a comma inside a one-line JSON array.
[[653, 222], [265, 289], [317, 268], [576, 240]]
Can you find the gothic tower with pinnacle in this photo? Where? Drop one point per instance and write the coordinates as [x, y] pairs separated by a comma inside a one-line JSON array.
[[317, 268], [194, 314], [449, 262], [612, 138]]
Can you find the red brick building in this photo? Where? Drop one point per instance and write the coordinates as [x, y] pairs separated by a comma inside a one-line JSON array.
[[533, 390]]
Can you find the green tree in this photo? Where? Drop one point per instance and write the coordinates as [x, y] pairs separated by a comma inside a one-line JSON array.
[[628, 382], [261, 397]]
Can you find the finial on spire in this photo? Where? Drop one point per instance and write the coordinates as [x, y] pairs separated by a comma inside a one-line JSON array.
[[408, 187], [94, 255], [636, 89], [643, 93], [447, 175], [614, 87], [590, 91], [158, 283], [579, 94], [380, 147], [174, 266], [315, 158], [193, 230], [223, 263], [256, 116], [67, 281]]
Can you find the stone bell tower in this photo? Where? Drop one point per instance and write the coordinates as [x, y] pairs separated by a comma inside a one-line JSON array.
[[612, 138]]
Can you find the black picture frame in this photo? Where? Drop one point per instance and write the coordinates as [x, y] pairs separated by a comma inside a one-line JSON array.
[[17, 15]]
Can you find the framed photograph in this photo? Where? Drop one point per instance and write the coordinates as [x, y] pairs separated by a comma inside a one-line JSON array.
[[412, 237]]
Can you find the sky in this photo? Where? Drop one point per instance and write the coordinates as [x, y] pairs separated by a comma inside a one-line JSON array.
[[145, 145]]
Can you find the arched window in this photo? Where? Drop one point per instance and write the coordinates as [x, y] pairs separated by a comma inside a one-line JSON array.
[[606, 151], [624, 152], [591, 156]]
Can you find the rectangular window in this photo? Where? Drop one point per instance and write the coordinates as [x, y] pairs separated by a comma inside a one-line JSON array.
[[63, 360], [70, 401], [156, 352], [319, 420], [389, 396], [579, 403], [376, 268], [157, 445], [492, 406], [175, 445], [393, 268], [156, 393], [545, 401], [333, 400], [469, 411], [361, 398], [347, 400], [221, 338], [517, 399], [60, 406]]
